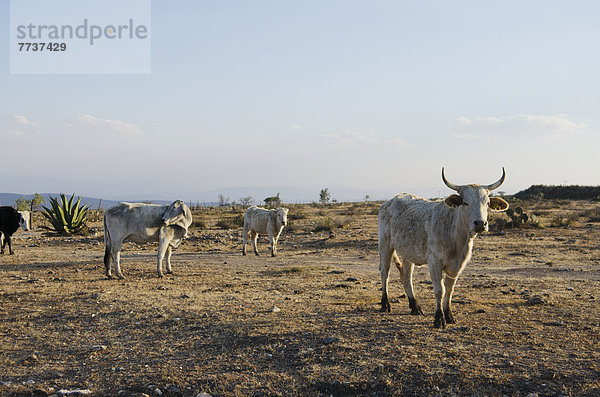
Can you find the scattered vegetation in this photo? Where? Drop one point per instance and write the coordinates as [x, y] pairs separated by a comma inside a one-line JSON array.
[[231, 223], [328, 224], [65, 216], [296, 214]]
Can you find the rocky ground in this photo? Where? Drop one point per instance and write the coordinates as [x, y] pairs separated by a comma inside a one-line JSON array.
[[305, 323]]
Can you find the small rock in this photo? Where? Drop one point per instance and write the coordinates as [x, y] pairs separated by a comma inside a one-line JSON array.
[[554, 324], [536, 300], [351, 279], [329, 340], [31, 359], [97, 348], [74, 393], [275, 309], [185, 296], [203, 394], [460, 329], [480, 311], [158, 392], [570, 289]]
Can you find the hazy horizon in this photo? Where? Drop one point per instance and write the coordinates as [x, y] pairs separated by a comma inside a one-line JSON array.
[[356, 96]]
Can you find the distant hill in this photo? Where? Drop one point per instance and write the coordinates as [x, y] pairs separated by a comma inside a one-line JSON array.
[[9, 199], [574, 192]]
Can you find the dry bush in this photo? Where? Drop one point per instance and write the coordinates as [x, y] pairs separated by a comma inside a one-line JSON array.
[[593, 214], [231, 223]]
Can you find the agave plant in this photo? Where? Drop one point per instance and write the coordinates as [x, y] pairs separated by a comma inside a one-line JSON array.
[[65, 216]]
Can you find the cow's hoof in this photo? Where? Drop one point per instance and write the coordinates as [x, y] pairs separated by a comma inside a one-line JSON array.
[[256, 253], [243, 253], [120, 277], [385, 307], [439, 321], [449, 317], [273, 255], [417, 311], [169, 272], [160, 275]]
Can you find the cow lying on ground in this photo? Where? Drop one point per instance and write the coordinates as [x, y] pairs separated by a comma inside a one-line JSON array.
[[259, 220], [142, 223], [10, 221], [413, 230]]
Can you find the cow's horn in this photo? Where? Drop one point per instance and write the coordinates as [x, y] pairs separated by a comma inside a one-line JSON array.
[[499, 182], [450, 185]]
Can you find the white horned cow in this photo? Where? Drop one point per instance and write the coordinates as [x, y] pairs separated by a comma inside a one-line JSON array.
[[259, 220], [142, 223], [413, 230]]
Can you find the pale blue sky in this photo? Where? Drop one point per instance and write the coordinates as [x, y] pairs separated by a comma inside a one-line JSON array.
[[372, 95]]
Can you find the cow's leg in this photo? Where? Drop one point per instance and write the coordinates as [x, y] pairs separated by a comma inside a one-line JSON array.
[[107, 256], [449, 283], [116, 256], [7, 239], [385, 259], [254, 237], [245, 232], [1, 243], [163, 247], [406, 270], [273, 241], [435, 270], [168, 259]]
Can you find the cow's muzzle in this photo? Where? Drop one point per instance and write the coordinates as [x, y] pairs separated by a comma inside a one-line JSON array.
[[480, 226]]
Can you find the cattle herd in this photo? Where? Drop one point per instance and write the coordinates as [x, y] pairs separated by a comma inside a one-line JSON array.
[[412, 231]]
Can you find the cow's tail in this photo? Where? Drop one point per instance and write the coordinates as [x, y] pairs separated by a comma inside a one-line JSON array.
[[108, 244], [397, 261]]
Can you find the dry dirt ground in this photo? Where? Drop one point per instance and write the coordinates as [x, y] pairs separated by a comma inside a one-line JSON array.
[[307, 322]]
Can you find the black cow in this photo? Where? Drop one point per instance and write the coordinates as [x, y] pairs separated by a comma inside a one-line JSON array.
[[10, 221]]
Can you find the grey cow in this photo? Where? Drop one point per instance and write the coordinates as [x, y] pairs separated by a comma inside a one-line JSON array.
[[259, 220], [142, 223]]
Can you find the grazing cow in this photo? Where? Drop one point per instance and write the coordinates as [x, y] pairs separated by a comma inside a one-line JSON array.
[[259, 220], [413, 230], [10, 221], [142, 223]]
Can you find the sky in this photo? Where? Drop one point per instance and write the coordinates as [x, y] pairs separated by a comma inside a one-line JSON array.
[[361, 97]]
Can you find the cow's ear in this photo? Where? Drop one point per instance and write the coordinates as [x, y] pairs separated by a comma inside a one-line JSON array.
[[498, 204], [453, 201]]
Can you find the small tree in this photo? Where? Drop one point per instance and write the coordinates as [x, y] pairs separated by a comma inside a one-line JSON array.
[[246, 201], [32, 204], [273, 201], [22, 204], [324, 196], [367, 198], [223, 200]]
